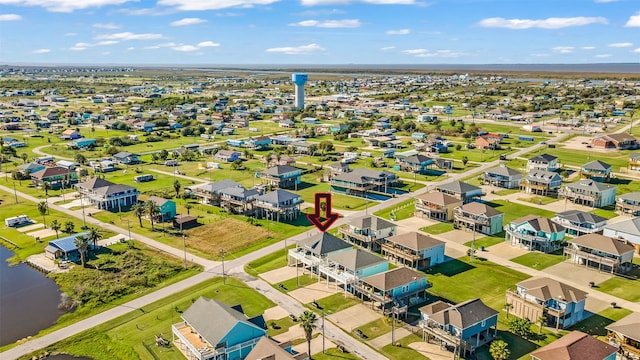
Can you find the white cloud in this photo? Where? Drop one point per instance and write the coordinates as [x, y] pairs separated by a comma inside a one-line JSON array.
[[207, 44], [540, 55], [621, 45], [130, 48], [444, 53], [320, 12], [415, 51], [158, 46], [70, 34], [603, 56], [549, 23], [187, 22], [345, 2], [81, 46], [128, 36], [563, 49], [110, 26], [637, 51], [346, 23], [185, 48], [605, 1], [634, 21], [297, 50], [64, 5], [388, 48], [190, 5], [106, 42], [41, 51], [10, 17], [399, 32], [588, 48]]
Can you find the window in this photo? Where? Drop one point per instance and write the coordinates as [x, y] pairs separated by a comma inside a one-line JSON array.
[[483, 323]]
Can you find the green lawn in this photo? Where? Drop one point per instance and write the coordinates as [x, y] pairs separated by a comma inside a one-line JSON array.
[[403, 210], [505, 192], [607, 213], [539, 200], [623, 287], [282, 326], [334, 354], [132, 335], [538, 260], [438, 228], [292, 284], [617, 159], [514, 211], [487, 241], [403, 352], [269, 262], [377, 328], [335, 303], [595, 325]]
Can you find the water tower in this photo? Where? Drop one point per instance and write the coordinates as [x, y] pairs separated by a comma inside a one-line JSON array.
[[299, 80]]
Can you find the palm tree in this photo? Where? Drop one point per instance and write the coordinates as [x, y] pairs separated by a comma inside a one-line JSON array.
[[43, 207], [82, 243], [188, 206], [139, 210], [542, 321], [499, 350], [308, 323], [46, 186], [507, 307], [55, 226], [69, 227], [152, 210], [176, 187], [94, 236]]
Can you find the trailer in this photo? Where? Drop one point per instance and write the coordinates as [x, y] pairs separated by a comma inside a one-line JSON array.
[[16, 221]]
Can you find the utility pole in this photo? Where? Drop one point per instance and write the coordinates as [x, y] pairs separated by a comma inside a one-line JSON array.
[[473, 243], [323, 348], [84, 220], [184, 244], [129, 227], [15, 193], [224, 279], [393, 326]]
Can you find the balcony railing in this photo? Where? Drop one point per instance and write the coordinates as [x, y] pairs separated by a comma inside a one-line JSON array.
[[614, 263], [464, 217], [393, 250], [514, 296], [574, 195], [347, 231], [519, 235]]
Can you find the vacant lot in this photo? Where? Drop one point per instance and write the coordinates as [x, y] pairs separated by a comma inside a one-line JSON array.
[[228, 234]]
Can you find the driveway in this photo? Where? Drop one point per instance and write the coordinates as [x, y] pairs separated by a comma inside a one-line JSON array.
[[431, 351], [506, 251], [578, 274], [458, 236], [384, 340], [281, 274], [316, 345], [275, 313], [354, 317], [413, 224], [314, 292]]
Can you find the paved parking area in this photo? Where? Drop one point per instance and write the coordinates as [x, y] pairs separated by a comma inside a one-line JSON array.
[[506, 251], [431, 351], [385, 339], [413, 223], [44, 233], [275, 313], [281, 274], [32, 227], [314, 292], [458, 236], [354, 317], [578, 274]]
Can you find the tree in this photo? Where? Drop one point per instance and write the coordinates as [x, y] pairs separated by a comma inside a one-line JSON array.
[[325, 146], [542, 321], [163, 154], [520, 327], [82, 243], [94, 236], [465, 160], [507, 307], [152, 210], [188, 206], [154, 158], [46, 186], [177, 186], [313, 149], [499, 350], [308, 323], [81, 159], [43, 207], [68, 227], [55, 226], [139, 211], [24, 157]]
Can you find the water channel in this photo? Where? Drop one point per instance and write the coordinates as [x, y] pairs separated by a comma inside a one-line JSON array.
[[28, 300]]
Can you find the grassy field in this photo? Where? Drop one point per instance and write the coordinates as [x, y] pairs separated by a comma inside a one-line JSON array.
[[439, 228], [335, 303], [514, 211], [617, 159], [538, 260], [487, 241], [403, 351], [335, 354], [376, 328], [403, 210], [539, 200], [133, 335], [622, 287], [269, 262]]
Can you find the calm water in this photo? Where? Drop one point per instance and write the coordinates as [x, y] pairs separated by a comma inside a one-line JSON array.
[[28, 300]]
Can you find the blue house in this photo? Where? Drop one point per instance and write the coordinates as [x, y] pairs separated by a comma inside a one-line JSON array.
[[235, 143], [418, 163], [281, 176], [64, 248], [398, 287], [258, 143], [211, 330], [464, 327], [562, 305], [535, 232], [339, 127], [84, 143], [227, 155], [357, 262], [166, 208], [418, 136]]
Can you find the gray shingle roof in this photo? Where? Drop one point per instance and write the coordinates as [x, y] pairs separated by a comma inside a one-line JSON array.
[[540, 223], [543, 158], [279, 170], [113, 188], [415, 241], [439, 198], [277, 197], [631, 226], [628, 326], [458, 187], [371, 222], [581, 217], [589, 185], [355, 259], [575, 345], [362, 176], [597, 165], [464, 314], [393, 278], [634, 196], [94, 183], [213, 320], [546, 289], [543, 176], [503, 170], [478, 208], [323, 243]]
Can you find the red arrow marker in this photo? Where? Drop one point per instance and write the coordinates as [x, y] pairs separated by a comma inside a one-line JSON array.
[[330, 217]]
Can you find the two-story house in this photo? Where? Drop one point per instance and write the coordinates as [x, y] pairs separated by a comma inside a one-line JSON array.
[[578, 222], [367, 231], [561, 304], [359, 181], [602, 252], [166, 208], [628, 230], [478, 217], [589, 193], [227, 155], [54, 177], [281, 176], [238, 200], [209, 193], [544, 162], [463, 327], [268, 349], [625, 334], [211, 330], [540, 182], [576, 345], [106, 195], [399, 287], [347, 267], [258, 143], [461, 190], [436, 206], [278, 205], [418, 163], [634, 162], [534, 232], [596, 170], [126, 158], [503, 176], [414, 249], [629, 203], [312, 251]]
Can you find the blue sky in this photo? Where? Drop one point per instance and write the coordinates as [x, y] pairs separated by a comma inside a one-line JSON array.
[[319, 31]]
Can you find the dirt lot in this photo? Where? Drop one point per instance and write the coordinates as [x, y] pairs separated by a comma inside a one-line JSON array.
[[228, 234], [576, 143]]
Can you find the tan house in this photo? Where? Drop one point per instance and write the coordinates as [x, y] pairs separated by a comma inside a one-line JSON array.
[[601, 252], [625, 333], [576, 345], [437, 206]]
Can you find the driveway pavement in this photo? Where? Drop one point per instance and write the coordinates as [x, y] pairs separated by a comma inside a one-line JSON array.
[[275, 313], [314, 291], [578, 274], [505, 250], [316, 345], [281, 274], [385, 339], [431, 351], [31, 227], [354, 317], [458, 236]]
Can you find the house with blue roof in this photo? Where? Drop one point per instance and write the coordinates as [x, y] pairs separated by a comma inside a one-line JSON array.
[[211, 330], [63, 248], [258, 143], [84, 143]]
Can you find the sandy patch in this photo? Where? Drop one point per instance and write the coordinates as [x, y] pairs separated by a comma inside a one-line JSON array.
[[384, 340], [576, 143], [313, 292], [578, 274], [294, 332], [413, 224], [29, 228], [432, 351], [281, 274], [505, 250], [354, 317], [275, 313], [459, 236], [44, 233]]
